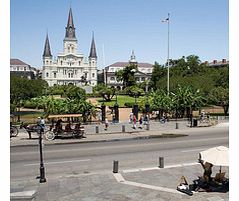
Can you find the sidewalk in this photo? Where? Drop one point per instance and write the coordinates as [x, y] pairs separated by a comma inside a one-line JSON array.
[[154, 184], [114, 133]]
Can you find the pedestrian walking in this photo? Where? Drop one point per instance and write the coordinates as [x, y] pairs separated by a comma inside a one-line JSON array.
[[131, 117], [134, 122], [163, 120], [106, 124], [140, 122]]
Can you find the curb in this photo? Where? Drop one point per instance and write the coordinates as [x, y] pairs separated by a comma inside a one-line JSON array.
[[164, 135]]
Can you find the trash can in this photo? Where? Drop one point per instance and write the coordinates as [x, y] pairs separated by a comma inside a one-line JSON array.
[[195, 122]]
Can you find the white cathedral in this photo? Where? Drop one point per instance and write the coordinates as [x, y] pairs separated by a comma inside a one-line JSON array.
[[70, 67]]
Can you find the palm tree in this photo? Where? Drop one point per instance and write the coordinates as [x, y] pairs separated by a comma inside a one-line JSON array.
[[187, 100]]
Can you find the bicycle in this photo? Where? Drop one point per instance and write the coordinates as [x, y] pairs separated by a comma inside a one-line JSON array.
[[13, 131]]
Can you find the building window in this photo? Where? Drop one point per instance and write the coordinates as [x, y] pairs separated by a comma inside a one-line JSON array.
[[142, 78], [93, 74], [17, 68], [61, 62], [65, 72], [54, 75], [69, 75], [85, 75], [46, 62], [47, 74], [25, 68], [76, 72], [112, 78], [79, 63]]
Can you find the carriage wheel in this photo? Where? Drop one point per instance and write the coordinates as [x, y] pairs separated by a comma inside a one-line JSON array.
[[13, 131], [49, 135]]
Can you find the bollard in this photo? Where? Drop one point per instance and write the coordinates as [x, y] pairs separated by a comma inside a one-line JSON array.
[[176, 125], [161, 162], [115, 166], [123, 128], [97, 129], [147, 126]]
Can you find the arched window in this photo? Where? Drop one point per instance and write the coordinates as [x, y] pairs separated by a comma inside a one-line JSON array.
[[47, 74]]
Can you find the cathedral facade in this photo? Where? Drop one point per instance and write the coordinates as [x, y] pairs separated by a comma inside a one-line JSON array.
[[70, 67]]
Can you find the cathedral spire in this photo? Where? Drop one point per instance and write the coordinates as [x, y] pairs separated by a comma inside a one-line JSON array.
[[47, 49], [70, 29], [92, 48]]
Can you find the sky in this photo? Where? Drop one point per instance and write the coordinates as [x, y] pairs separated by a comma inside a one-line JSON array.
[[198, 27]]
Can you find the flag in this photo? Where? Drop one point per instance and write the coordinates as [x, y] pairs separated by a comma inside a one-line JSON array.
[[166, 20]]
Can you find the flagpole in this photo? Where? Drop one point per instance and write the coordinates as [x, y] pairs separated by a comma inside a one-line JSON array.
[[103, 50], [168, 56]]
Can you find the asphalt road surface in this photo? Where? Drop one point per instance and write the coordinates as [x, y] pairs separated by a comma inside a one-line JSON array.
[[68, 159]]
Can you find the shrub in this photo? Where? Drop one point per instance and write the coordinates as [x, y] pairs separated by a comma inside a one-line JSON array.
[[128, 104], [30, 104]]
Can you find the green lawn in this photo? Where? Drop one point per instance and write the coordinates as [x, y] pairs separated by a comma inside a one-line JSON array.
[[121, 99]]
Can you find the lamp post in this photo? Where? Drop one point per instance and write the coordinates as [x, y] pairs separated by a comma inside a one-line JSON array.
[[42, 169], [147, 106], [116, 109], [19, 106], [135, 107], [167, 20], [103, 109]]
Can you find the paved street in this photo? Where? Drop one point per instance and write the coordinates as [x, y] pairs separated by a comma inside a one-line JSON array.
[[83, 171]]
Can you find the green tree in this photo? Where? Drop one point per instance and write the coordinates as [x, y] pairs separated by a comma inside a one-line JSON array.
[[186, 99], [106, 92], [160, 101], [74, 92], [134, 90], [22, 89], [159, 73], [127, 75], [220, 96]]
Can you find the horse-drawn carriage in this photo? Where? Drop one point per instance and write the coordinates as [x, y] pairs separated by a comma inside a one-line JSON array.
[[67, 125]]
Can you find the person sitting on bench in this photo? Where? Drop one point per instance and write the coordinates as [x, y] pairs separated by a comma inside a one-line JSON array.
[[207, 171], [68, 127], [58, 125]]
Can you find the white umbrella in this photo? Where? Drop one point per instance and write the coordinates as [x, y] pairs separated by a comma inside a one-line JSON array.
[[218, 156]]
